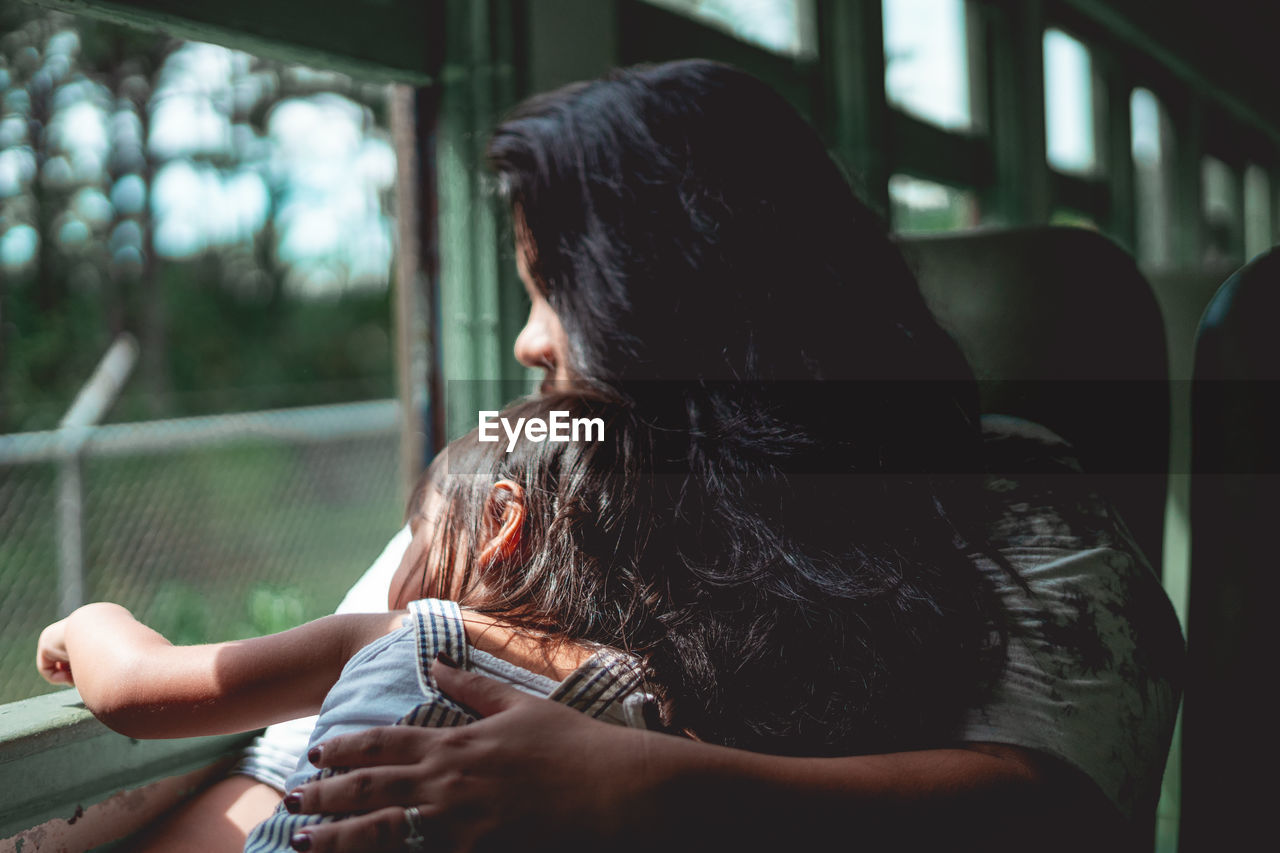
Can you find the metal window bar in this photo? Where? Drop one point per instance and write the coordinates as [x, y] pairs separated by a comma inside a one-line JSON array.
[[304, 424]]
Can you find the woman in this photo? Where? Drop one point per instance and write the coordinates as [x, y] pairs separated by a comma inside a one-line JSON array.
[[688, 244]]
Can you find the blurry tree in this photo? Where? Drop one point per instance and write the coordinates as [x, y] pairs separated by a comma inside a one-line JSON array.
[[230, 211]]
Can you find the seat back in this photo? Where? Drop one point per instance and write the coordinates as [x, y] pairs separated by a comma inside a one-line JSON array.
[[1061, 328], [1234, 583]]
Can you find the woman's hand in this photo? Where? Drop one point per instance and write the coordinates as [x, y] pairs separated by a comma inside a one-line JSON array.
[[534, 774], [52, 658]]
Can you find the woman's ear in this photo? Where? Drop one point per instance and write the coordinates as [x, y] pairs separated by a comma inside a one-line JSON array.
[[504, 522]]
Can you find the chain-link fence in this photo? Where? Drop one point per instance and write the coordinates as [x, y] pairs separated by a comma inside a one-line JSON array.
[[206, 528]]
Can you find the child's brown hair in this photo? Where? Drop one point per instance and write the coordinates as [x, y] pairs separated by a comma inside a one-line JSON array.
[[588, 512]]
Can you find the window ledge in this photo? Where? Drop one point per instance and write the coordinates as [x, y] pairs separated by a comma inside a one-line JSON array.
[[70, 783]]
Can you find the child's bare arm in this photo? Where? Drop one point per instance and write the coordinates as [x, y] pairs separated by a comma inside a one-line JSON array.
[[141, 685]]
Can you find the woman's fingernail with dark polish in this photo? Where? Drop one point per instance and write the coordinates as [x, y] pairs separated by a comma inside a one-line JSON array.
[[313, 755], [300, 841], [443, 658], [293, 802]]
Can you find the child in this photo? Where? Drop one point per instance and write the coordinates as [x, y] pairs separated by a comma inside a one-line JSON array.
[[535, 540]]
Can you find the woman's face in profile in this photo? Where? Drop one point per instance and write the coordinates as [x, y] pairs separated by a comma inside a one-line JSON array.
[[542, 343]]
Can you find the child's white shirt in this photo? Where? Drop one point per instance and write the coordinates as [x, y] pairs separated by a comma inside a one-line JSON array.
[[274, 755]]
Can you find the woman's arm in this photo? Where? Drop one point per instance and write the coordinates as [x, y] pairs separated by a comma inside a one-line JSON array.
[[539, 775], [141, 685]]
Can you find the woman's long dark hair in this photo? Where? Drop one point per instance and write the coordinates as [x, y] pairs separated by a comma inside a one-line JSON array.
[[712, 267]]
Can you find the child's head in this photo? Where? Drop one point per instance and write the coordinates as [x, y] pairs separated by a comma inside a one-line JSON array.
[[549, 533]]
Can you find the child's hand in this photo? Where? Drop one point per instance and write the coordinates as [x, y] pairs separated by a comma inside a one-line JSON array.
[[51, 654]]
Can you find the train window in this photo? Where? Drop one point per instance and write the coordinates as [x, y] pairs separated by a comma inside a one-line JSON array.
[[1258, 233], [1153, 178], [783, 26], [1220, 210], [1070, 138], [233, 212], [926, 48], [919, 206]]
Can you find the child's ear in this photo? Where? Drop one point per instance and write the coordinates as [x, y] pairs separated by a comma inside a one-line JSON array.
[[504, 522]]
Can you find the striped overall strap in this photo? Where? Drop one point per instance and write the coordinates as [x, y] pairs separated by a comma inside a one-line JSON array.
[[607, 677], [439, 629]]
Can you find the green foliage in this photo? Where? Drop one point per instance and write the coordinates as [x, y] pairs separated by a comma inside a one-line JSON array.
[[272, 609], [182, 614], [253, 312], [231, 351], [226, 328]]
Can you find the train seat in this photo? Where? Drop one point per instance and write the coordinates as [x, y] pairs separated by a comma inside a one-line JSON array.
[[1234, 582], [1062, 329]]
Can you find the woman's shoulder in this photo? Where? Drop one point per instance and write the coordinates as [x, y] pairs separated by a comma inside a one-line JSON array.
[[1086, 583], [1095, 649], [1016, 444], [1040, 500]]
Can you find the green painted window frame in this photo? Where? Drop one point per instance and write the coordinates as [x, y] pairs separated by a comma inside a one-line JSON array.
[[69, 780]]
